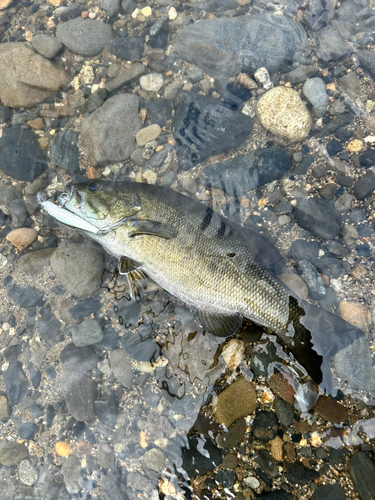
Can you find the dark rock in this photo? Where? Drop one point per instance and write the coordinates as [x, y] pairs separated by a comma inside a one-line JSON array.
[[331, 47], [214, 5], [334, 147], [84, 308], [368, 159], [337, 248], [362, 471], [49, 327], [302, 168], [365, 185], [263, 358], [160, 111], [234, 45], [197, 464], [50, 415], [284, 412], [357, 215], [299, 74], [157, 159], [265, 426], [298, 474], [121, 367], [330, 410], [18, 213], [235, 95], [312, 279], [160, 39], [22, 296], [95, 100], [111, 6], [21, 156], [106, 410], [139, 349], [343, 134], [27, 430], [64, 151], [85, 36], [363, 250], [203, 126], [328, 192], [276, 495], [265, 461], [335, 124], [87, 333], [129, 6], [5, 114], [234, 435], [367, 61], [12, 452], [318, 13], [71, 470], [106, 456], [329, 491], [80, 359], [16, 383], [79, 391], [318, 217], [35, 375], [271, 163], [127, 48]]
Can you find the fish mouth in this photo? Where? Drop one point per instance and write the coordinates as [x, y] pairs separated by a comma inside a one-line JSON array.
[[72, 199]]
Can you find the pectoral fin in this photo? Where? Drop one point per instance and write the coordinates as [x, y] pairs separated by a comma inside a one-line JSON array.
[[152, 228], [134, 276], [221, 325]]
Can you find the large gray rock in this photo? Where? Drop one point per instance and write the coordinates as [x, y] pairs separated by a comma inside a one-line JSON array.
[[330, 45], [79, 392], [318, 13], [85, 36], [367, 61], [354, 366], [71, 470], [70, 257], [319, 217], [108, 134], [243, 43], [47, 46], [27, 78]]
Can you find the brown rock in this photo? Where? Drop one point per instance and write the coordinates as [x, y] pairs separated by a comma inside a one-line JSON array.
[[37, 124], [290, 452], [84, 448], [355, 146], [281, 387], [12, 453], [370, 124], [277, 448], [356, 314], [44, 143], [33, 263], [22, 237], [4, 4], [92, 173], [56, 3], [4, 409], [330, 410], [296, 284], [27, 78], [236, 401]]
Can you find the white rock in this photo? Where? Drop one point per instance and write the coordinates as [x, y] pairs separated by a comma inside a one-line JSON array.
[[172, 14], [152, 82]]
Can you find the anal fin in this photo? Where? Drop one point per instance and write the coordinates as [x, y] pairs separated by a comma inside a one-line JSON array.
[[221, 325]]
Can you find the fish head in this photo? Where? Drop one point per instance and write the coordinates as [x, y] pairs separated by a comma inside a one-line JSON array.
[[101, 203]]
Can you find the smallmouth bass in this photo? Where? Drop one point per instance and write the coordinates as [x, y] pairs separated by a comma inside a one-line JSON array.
[[223, 271]]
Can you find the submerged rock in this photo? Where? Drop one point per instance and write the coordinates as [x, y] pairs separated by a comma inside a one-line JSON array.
[[319, 217], [318, 13], [367, 61], [315, 91], [203, 126], [236, 401], [241, 44], [85, 36], [64, 151]]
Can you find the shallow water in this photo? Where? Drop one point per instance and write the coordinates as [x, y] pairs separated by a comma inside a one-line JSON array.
[[106, 397]]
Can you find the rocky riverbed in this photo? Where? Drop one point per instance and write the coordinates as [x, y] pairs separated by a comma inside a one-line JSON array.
[[264, 111]]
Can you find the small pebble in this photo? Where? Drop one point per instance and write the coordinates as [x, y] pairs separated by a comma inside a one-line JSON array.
[[63, 449], [22, 237], [147, 134]]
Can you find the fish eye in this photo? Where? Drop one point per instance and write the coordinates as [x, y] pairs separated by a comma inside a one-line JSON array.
[[93, 186]]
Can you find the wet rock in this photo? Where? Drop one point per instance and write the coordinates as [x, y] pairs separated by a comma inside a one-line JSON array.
[[108, 134], [154, 459], [295, 283], [84, 308], [27, 472], [127, 48], [367, 61], [12, 452], [331, 491], [4, 409], [79, 391], [27, 78], [69, 257], [85, 36], [22, 296], [160, 111], [335, 124], [354, 365], [299, 74], [334, 147], [265, 426], [356, 314], [71, 470], [106, 456], [33, 263], [147, 134], [266, 462], [106, 409], [27, 430], [344, 202], [312, 278], [240, 44], [111, 6], [282, 388], [315, 91], [330, 410], [48, 327], [80, 359], [277, 495], [87, 333], [127, 75], [138, 348], [196, 462], [282, 112], [152, 82], [318, 13], [365, 185], [234, 435], [48, 46], [318, 217], [331, 47], [18, 213], [298, 474], [284, 412], [236, 401], [64, 151], [362, 471], [305, 396], [350, 235], [35, 375], [337, 248], [203, 126], [21, 156], [121, 367], [22, 237], [94, 101], [308, 250], [262, 358], [5, 114]]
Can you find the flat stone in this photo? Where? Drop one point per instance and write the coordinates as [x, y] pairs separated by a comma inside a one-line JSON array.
[[365, 185], [126, 76], [284, 412], [330, 45], [5, 114], [27, 472], [298, 474], [48, 327], [4, 409], [27, 78], [295, 283], [85, 36], [329, 491], [203, 126], [315, 91], [282, 112], [299, 74], [80, 359], [367, 61], [330, 410], [241, 44], [12, 452], [64, 151], [87, 333], [362, 471], [71, 470], [312, 278], [318, 217], [108, 134], [33, 263], [27, 430], [22, 237], [79, 391], [147, 134], [127, 48], [37, 124], [70, 256], [236, 401], [111, 6], [21, 155], [266, 462], [282, 388], [344, 202], [353, 365], [22, 296], [47, 46], [356, 314], [154, 459], [121, 367], [106, 456]]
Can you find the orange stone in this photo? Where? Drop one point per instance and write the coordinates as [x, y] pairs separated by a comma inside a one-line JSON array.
[[281, 387], [92, 173], [84, 448], [22, 237], [330, 410], [63, 449], [37, 124]]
